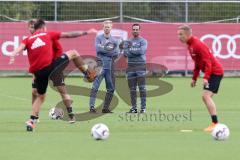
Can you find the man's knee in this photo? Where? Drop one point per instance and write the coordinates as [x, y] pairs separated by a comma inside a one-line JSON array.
[[132, 84], [41, 96], [205, 97], [34, 92], [95, 88], [111, 91], [93, 92], [72, 54], [142, 88], [66, 96], [62, 89]]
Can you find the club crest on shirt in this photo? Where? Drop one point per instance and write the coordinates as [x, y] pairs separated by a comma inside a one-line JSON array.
[[136, 44]]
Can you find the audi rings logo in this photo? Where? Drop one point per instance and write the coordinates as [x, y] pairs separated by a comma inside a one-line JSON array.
[[217, 45]]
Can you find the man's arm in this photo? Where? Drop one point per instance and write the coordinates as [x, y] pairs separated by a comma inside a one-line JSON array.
[[74, 34], [101, 48], [16, 52], [116, 51], [206, 58], [127, 53], [196, 72], [98, 45]]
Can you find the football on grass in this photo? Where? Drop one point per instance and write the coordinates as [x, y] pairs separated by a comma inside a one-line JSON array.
[[100, 131], [56, 113], [220, 132]]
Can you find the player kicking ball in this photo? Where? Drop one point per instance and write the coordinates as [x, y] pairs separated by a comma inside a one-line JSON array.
[[203, 61], [43, 65], [57, 79]]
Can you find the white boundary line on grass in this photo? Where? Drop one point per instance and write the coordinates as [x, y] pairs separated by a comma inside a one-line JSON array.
[[20, 98], [15, 97]]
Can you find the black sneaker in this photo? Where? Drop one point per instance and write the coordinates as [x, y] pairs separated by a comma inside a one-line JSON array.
[[106, 110], [72, 118], [92, 110], [132, 110], [143, 111]]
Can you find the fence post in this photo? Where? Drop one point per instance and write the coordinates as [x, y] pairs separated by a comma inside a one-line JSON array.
[[121, 11], [186, 21], [238, 19], [186, 11], [55, 10]]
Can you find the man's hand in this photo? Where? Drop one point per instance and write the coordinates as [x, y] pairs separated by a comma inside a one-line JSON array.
[[121, 45], [92, 31], [205, 83], [193, 83], [125, 44]]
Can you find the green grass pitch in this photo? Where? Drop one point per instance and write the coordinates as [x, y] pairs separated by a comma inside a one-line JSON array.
[[129, 138]]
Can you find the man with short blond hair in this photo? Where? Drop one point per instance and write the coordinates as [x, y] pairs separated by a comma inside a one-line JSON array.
[[203, 61], [107, 49]]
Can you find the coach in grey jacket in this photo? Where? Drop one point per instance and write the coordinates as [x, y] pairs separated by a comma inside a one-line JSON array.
[[107, 49], [136, 71]]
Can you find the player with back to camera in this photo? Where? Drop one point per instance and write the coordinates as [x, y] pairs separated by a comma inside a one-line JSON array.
[[42, 63], [58, 78]]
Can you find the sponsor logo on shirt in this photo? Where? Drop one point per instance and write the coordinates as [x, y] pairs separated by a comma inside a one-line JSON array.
[[37, 43]]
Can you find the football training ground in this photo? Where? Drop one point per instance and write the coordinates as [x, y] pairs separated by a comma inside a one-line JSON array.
[[171, 129]]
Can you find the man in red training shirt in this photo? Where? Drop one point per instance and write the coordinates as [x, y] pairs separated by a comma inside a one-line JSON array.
[[43, 63], [57, 79], [203, 61]]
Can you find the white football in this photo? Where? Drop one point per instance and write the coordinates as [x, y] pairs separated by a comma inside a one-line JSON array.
[[220, 132], [100, 131], [56, 113]]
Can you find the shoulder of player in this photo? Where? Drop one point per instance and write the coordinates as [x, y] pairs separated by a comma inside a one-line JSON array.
[[38, 34], [196, 43], [113, 38], [100, 36], [26, 38], [53, 33], [143, 39]]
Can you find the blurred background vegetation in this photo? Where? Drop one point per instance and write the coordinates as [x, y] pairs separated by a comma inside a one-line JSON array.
[[154, 11]]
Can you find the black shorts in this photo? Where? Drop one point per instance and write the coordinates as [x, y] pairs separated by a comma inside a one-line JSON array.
[[59, 65], [57, 79], [34, 85], [52, 71], [214, 83]]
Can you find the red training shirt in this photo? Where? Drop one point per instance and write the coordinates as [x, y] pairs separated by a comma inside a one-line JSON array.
[[203, 59], [57, 49], [40, 49]]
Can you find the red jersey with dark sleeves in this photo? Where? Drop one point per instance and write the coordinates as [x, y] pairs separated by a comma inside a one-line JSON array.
[[40, 49], [203, 59]]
